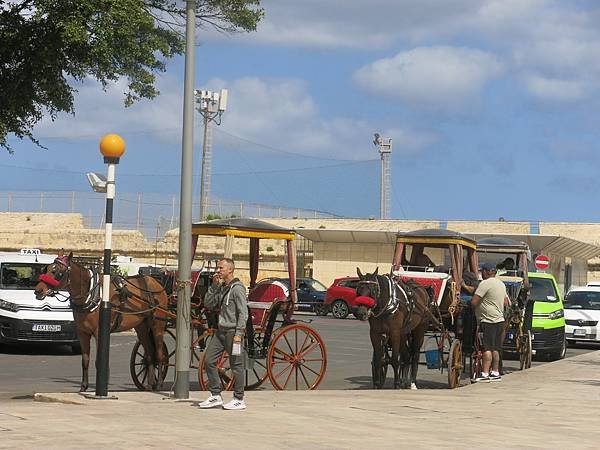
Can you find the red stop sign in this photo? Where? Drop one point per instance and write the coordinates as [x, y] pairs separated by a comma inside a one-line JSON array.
[[542, 262]]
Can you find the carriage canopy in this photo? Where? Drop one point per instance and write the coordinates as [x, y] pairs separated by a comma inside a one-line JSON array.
[[442, 250], [254, 230], [498, 250]]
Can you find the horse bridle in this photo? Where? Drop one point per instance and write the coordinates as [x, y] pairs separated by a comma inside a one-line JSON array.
[[55, 280]]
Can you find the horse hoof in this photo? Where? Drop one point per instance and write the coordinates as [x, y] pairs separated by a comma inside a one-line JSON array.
[[83, 388], [413, 387]]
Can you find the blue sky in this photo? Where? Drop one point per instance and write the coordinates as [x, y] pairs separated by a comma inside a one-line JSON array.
[[491, 105]]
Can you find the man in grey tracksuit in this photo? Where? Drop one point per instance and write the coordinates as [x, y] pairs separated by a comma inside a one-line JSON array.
[[228, 295]]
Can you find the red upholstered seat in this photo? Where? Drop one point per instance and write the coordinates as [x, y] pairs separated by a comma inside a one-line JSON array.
[[261, 299]]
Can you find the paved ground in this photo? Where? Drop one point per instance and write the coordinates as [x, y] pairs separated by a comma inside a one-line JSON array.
[[26, 369], [549, 406]]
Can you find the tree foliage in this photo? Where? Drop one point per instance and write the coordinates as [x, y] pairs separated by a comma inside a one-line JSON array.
[[47, 46]]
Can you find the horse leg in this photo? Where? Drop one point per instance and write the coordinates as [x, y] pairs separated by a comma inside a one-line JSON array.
[[418, 336], [143, 334], [376, 342], [84, 340], [405, 361], [396, 347], [158, 332]]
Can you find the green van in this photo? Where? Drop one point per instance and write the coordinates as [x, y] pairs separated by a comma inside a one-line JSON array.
[[548, 317]]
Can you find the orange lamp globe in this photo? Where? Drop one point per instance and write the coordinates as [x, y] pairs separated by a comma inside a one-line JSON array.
[[112, 146]]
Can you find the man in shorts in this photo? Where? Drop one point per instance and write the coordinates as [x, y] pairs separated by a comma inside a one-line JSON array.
[[489, 301]]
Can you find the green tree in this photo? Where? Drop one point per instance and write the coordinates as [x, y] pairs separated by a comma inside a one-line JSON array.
[[48, 46]]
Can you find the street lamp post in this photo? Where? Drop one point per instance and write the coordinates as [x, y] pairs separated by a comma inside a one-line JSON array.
[[182, 354], [112, 147]]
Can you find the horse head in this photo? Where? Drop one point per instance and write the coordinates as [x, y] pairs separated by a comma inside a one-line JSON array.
[[55, 277], [374, 287]]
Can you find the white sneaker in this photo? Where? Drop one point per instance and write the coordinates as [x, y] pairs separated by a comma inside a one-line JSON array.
[[235, 404], [211, 402]]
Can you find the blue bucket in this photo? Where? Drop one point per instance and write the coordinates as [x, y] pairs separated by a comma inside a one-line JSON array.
[[432, 357]]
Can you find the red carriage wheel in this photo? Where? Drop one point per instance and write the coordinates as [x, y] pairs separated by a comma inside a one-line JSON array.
[[256, 371], [297, 358]]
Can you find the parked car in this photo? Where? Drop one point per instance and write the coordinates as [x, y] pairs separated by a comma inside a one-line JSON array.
[[548, 321], [310, 292], [341, 299], [582, 314]]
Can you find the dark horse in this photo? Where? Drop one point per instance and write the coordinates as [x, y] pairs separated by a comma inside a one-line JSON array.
[[137, 302], [398, 321]]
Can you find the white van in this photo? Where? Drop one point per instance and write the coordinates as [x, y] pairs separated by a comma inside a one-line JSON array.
[[23, 318]]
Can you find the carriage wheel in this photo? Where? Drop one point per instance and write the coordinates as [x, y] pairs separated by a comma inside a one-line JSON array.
[[138, 367], [380, 375], [256, 371], [525, 351], [455, 366], [297, 358]]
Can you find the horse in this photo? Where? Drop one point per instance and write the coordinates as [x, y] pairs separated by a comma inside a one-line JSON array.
[[138, 302], [399, 320]]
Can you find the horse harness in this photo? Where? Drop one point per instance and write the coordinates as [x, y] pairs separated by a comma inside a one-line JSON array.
[[395, 302], [93, 298]]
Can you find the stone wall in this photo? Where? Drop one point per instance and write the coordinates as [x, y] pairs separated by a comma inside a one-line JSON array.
[[51, 232]]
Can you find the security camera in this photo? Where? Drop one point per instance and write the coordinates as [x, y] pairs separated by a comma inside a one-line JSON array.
[[97, 181]]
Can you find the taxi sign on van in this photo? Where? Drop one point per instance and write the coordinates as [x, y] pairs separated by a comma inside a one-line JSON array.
[[30, 251]]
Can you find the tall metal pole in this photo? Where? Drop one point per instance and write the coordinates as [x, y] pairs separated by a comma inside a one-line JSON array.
[[111, 147], [182, 356], [206, 169], [385, 150]]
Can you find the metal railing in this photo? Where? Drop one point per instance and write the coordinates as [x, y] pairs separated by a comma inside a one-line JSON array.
[[151, 213]]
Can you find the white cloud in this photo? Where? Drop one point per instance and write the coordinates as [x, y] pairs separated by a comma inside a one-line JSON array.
[[97, 112], [276, 113], [437, 78], [553, 89], [551, 38], [363, 24], [283, 115]]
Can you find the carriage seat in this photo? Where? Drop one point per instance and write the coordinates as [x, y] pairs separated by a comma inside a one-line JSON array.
[[262, 298], [436, 280]]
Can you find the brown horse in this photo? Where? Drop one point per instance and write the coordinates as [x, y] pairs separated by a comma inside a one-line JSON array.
[[137, 302], [398, 322]]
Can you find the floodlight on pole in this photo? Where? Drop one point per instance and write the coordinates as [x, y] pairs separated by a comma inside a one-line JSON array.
[[211, 105], [385, 150], [97, 182]]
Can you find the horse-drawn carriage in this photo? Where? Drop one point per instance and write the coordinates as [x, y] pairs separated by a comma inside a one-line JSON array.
[[512, 259], [292, 355], [436, 261]]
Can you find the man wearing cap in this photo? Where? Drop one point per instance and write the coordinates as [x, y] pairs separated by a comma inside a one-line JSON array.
[[489, 301]]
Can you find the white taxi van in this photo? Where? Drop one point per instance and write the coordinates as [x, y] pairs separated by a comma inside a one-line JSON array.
[[23, 318]]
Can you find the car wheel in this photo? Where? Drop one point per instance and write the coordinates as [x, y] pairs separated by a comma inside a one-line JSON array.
[[560, 354], [339, 309], [321, 310]]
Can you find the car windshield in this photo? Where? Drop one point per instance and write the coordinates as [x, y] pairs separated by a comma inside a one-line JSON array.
[[20, 275], [583, 300], [542, 289], [311, 284]]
